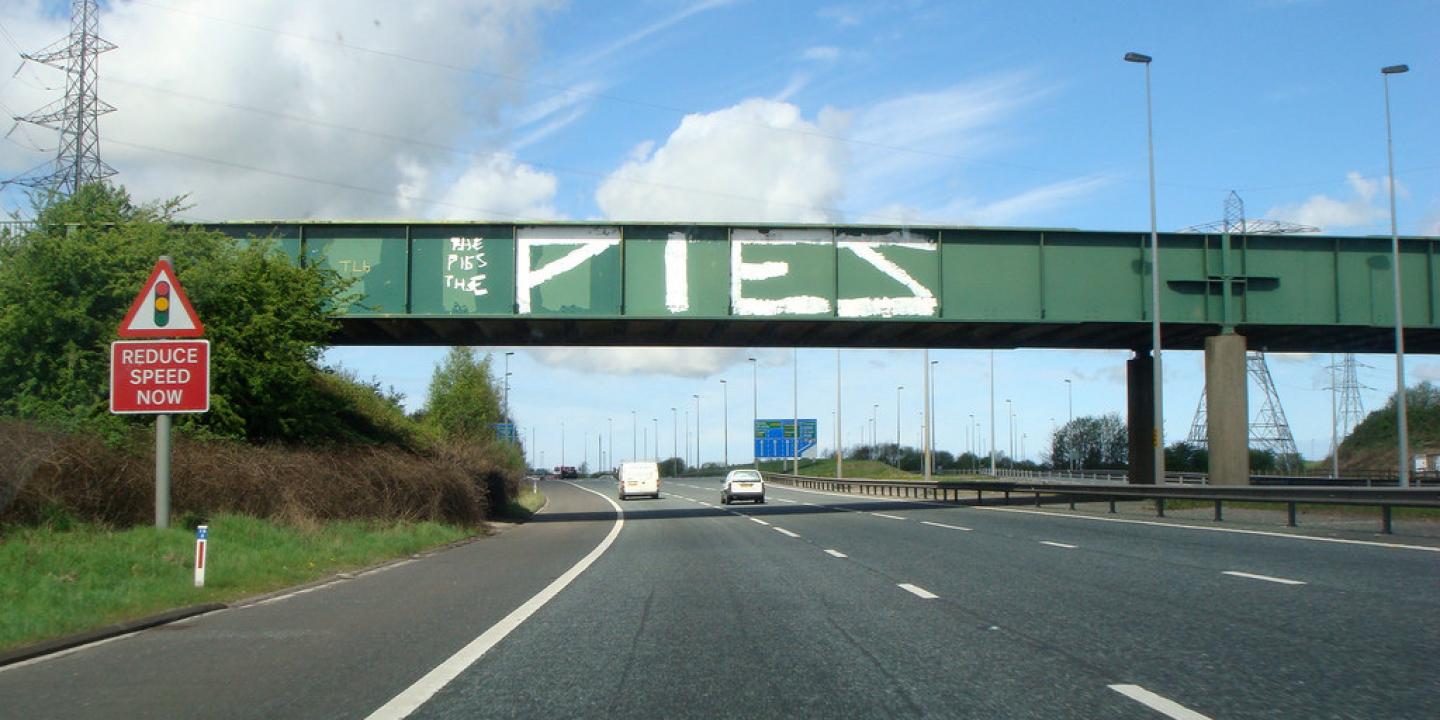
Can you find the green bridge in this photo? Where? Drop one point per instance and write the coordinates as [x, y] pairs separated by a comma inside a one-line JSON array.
[[851, 286], [848, 286]]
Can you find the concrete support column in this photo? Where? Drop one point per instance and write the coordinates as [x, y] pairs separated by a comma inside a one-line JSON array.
[[1139, 383], [1227, 409]]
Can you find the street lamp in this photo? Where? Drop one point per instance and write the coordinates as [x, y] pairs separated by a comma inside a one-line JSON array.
[[754, 408], [795, 407], [874, 442], [725, 388], [506, 400], [656, 455], [930, 412], [1157, 436], [698, 462], [1010, 411], [1400, 409], [839, 439], [1070, 400], [898, 388], [675, 439], [610, 443], [634, 435]]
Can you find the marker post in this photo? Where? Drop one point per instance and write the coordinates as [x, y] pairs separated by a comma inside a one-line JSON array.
[[202, 533]]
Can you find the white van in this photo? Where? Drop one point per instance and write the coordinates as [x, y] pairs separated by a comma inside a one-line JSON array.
[[639, 477]]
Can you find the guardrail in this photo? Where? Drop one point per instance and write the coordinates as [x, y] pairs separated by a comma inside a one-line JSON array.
[[956, 492]]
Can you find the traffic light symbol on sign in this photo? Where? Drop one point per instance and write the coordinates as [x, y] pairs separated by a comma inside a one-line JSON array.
[[162, 303]]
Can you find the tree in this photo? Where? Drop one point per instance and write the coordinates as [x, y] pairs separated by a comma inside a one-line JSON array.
[[1091, 442], [463, 402], [66, 284]]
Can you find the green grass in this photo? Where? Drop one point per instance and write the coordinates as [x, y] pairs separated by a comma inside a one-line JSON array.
[[854, 469], [54, 583], [526, 505]]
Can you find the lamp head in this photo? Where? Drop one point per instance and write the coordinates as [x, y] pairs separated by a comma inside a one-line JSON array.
[[1394, 69], [1137, 58]]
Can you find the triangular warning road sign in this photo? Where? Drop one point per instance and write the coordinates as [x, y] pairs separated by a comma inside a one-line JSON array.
[[161, 310]]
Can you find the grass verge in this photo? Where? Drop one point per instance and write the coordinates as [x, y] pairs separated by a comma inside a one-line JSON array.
[[55, 583], [525, 505]]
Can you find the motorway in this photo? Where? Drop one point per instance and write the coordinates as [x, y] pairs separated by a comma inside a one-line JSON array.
[[810, 605]]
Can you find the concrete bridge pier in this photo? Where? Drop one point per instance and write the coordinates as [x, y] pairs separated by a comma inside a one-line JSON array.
[[1140, 393], [1227, 408]]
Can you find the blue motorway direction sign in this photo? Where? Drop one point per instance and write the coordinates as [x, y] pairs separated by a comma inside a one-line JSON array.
[[776, 438]]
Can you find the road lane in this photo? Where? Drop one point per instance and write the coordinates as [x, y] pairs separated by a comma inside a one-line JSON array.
[[1151, 603], [697, 612], [340, 651]]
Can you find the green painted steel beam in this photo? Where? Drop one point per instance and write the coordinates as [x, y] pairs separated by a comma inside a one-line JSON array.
[[841, 285]]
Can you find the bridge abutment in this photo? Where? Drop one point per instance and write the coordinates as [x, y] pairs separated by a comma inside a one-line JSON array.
[[1227, 409], [1140, 394]]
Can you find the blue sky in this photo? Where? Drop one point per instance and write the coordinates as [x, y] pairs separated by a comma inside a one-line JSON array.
[[992, 113]]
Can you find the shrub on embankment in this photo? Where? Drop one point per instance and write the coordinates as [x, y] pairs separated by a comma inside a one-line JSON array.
[[56, 478], [284, 437]]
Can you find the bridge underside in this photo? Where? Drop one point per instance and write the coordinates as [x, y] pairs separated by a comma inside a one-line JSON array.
[[768, 332]]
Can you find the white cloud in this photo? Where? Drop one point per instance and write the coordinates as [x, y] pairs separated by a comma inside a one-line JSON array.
[[671, 361], [756, 161], [821, 53], [1021, 208], [1366, 205], [499, 187], [250, 107]]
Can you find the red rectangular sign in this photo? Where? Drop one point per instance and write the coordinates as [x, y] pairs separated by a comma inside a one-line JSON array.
[[160, 376]]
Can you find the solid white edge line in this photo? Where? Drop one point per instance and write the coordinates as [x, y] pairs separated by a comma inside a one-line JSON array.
[[836, 553], [918, 591], [1051, 543], [787, 532], [1266, 578], [1158, 703], [411, 698], [943, 525]]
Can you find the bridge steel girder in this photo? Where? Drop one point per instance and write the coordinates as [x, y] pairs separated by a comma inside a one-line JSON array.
[[452, 283]]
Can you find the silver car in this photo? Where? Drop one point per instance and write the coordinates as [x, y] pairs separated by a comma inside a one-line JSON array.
[[743, 485]]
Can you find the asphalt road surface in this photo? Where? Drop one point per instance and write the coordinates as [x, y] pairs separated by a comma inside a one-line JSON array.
[[810, 605]]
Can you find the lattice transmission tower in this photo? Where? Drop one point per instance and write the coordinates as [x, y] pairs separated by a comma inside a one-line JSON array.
[[1347, 408], [76, 116], [1269, 429]]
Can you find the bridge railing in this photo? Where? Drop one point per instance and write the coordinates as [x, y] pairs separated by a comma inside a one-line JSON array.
[[946, 491]]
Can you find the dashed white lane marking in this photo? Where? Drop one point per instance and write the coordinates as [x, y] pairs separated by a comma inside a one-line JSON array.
[[836, 553], [757, 520], [1163, 705], [786, 532], [780, 499], [892, 517], [1266, 578], [943, 525], [918, 591], [1067, 546], [410, 699], [702, 502], [1182, 526]]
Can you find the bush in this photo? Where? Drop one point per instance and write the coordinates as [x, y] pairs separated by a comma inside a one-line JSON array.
[[64, 477]]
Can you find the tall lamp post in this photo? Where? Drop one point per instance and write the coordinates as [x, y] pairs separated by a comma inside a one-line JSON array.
[[930, 412], [874, 443], [795, 407], [634, 436], [506, 400], [839, 440], [754, 408], [1157, 435], [656, 455], [675, 439], [1070, 405], [698, 462], [1400, 413], [1010, 441], [725, 389], [898, 388]]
